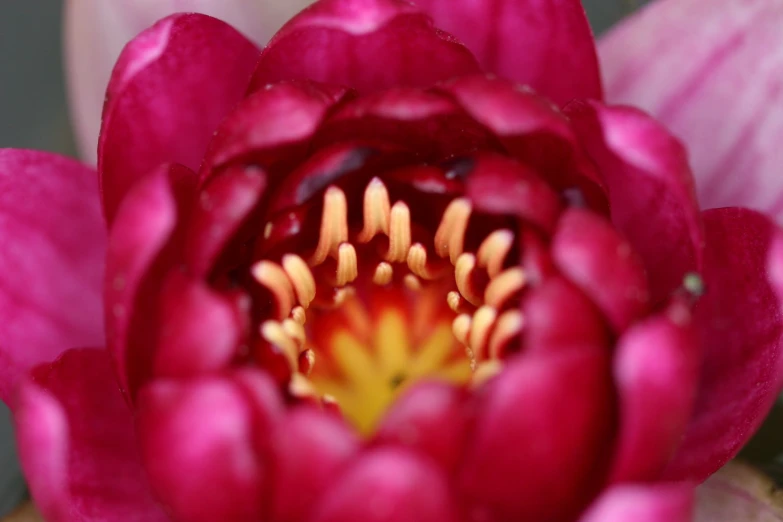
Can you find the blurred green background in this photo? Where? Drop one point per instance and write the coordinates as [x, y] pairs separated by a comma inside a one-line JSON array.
[[34, 114]]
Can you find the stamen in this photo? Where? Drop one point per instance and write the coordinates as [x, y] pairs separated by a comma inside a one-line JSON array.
[[301, 278], [383, 274], [268, 230], [450, 236], [376, 211], [299, 315], [347, 264], [301, 387], [493, 251], [454, 301], [399, 233], [508, 325], [504, 286], [306, 362], [412, 282], [296, 332], [483, 320], [334, 225], [417, 263], [272, 276], [460, 327], [462, 275], [485, 371], [273, 332]]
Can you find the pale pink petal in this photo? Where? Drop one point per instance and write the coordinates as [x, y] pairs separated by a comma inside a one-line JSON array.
[[171, 87], [77, 445], [631, 503], [52, 245], [714, 75], [738, 493], [96, 31], [546, 44], [739, 318]]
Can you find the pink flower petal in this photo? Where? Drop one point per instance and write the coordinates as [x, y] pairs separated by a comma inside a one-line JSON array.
[[172, 86], [53, 242], [740, 322], [656, 370], [591, 254], [77, 445], [96, 31], [658, 503], [369, 45], [197, 442], [522, 463], [136, 261], [546, 44], [646, 173], [388, 485], [712, 75], [309, 449]]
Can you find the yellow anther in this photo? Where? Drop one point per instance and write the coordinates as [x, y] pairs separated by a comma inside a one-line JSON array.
[[412, 282], [274, 333], [301, 278], [454, 301], [376, 211], [504, 286], [508, 325], [485, 371], [450, 236], [334, 225], [296, 332], [480, 328], [462, 276], [399, 233], [493, 251], [273, 277], [299, 315], [417, 263], [383, 274], [460, 327], [347, 264]]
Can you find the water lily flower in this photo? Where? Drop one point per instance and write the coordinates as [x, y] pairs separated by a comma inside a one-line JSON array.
[[404, 263]]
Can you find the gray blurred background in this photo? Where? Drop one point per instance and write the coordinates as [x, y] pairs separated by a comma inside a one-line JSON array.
[[33, 114]]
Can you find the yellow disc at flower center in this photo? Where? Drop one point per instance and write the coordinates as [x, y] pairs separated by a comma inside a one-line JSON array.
[[368, 375]]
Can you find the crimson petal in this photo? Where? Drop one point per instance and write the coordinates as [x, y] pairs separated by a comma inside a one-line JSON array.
[[172, 85], [740, 322], [546, 44], [53, 242], [369, 45], [76, 444]]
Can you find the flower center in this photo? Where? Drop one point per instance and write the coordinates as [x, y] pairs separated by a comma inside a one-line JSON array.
[[379, 302]]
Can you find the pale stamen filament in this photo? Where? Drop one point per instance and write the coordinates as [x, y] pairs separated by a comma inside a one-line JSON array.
[[450, 236], [399, 233], [301, 278], [347, 264], [274, 278], [383, 274], [334, 226], [503, 286], [377, 211], [493, 251]]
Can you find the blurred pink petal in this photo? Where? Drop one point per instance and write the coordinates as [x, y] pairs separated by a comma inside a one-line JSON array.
[[77, 444], [658, 503], [740, 321], [546, 44], [171, 87], [96, 31], [53, 241], [714, 75]]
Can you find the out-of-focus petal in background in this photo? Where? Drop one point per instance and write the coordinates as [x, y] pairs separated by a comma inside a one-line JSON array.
[[33, 114]]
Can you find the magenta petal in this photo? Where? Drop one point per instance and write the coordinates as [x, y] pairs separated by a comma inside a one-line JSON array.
[[146, 223], [76, 444], [656, 369], [712, 75], [658, 503], [198, 449], [172, 86], [740, 322], [588, 251], [53, 242], [310, 448], [388, 485], [522, 464], [546, 44], [646, 173], [368, 45]]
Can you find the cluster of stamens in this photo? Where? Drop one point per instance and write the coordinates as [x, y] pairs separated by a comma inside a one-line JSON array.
[[487, 319]]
